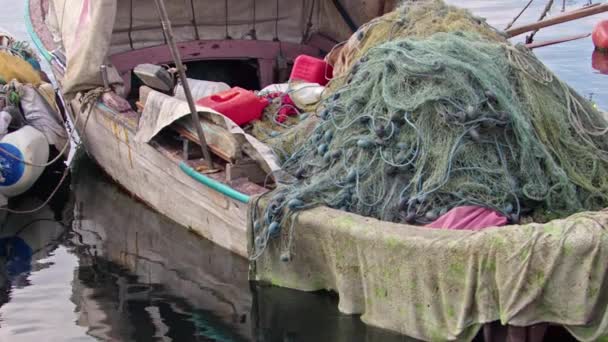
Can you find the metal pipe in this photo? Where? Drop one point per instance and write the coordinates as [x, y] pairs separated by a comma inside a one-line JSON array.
[[164, 19]]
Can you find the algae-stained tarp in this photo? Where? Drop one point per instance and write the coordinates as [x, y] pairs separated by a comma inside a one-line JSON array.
[[443, 285]]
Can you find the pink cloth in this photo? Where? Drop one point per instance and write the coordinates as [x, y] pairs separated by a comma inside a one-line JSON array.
[[469, 218]]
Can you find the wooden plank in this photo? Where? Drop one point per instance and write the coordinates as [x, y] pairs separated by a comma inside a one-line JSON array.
[[248, 169], [159, 182], [220, 141], [217, 149], [577, 14]]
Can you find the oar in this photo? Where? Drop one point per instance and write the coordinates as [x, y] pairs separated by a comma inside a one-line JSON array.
[[577, 14], [164, 19], [557, 41]]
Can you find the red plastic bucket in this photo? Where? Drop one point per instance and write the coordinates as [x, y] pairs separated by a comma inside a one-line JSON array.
[[311, 69], [240, 105]]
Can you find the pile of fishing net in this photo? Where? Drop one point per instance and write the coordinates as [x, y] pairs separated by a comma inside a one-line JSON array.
[[420, 124]]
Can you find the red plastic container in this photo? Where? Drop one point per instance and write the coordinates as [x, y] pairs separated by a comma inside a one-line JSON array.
[[240, 105], [311, 69], [600, 35]]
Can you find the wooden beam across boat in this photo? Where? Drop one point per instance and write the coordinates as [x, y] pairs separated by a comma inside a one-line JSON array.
[[556, 41], [577, 14]]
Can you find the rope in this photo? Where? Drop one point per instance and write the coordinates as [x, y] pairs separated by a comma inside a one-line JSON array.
[[306, 33], [530, 38], [61, 152], [89, 100], [31, 211], [519, 15]]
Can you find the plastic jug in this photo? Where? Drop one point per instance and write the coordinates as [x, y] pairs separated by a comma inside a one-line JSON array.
[[240, 105], [311, 69]]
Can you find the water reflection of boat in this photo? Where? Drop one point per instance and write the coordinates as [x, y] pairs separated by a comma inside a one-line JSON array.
[[112, 226], [160, 273]]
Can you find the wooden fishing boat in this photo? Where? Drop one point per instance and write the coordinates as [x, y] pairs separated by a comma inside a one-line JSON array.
[[156, 172], [429, 284]]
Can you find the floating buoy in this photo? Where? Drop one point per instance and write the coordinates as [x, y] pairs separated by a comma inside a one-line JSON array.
[[600, 35], [25, 144]]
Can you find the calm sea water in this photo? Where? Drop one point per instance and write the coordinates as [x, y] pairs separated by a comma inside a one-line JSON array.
[[114, 270]]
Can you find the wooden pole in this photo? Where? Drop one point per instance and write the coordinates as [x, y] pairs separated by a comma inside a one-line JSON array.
[[581, 13], [164, 19], [345, 16], [530, 38], [519, 15], [556, 41]]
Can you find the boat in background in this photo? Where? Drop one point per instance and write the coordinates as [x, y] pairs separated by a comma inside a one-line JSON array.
[[34, 142]]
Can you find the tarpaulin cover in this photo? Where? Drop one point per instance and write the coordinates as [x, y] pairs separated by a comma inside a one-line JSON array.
[[162, 110], [41, 112], [436, 284], [91, 30]]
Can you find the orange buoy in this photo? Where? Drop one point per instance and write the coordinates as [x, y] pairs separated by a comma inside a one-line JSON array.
[[600, 35]]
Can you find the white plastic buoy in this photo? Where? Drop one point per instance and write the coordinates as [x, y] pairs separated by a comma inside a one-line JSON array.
[[27, 144]]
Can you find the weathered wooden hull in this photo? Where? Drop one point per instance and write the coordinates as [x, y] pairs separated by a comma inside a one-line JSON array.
[[159, 251], [158, 181]]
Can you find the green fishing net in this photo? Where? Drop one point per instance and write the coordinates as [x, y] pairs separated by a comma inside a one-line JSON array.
[[415, 19], [420, 126]]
